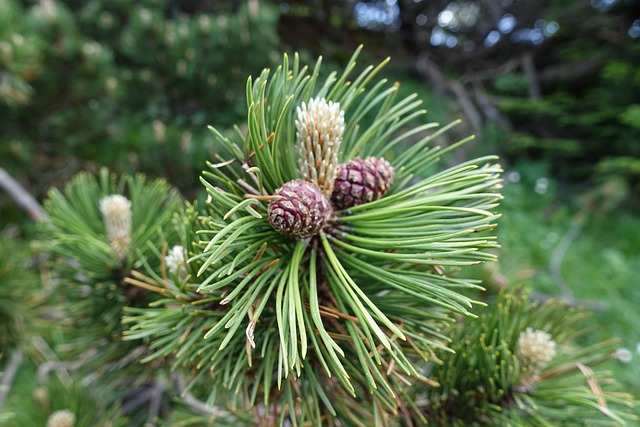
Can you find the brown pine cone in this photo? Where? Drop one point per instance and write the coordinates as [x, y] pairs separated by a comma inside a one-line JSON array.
[[360, 181], [301, 211]]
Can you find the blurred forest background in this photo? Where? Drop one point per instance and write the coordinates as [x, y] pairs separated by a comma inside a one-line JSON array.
[[553, 87]]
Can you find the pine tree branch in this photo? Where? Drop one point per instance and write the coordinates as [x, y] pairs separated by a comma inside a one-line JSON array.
[[149, 395], [529, 68], [22, 198], [194, 403], [570, 301], [200, 407]]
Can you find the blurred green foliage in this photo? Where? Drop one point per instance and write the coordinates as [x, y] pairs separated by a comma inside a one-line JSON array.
[[19, 57], [35, 398], [88, 268], [588, 129], [130, 86], [18, 283]]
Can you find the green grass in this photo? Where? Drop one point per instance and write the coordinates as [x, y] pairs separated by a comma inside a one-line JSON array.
[[598, 267]]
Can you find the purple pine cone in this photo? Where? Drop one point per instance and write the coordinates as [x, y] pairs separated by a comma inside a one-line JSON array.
[[360, 181], [301, 211]]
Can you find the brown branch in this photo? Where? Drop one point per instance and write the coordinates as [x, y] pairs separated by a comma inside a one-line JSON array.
[[570, 73], [466, 103], [490, 74], [430, 70], [22, 197], [488, 108]]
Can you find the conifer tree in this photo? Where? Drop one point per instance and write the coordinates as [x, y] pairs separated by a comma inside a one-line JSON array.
[[325, 280]]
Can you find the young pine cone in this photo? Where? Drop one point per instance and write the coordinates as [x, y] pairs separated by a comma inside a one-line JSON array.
[[319, 129], [360, 181], [301, 211]]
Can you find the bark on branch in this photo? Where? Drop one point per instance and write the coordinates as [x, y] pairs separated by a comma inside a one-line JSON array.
[[21, 197]]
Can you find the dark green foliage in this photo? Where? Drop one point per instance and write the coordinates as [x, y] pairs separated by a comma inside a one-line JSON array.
[[178, 65], [585, 119], [576, 131], [70, 106], [89, 83], [20, 54]]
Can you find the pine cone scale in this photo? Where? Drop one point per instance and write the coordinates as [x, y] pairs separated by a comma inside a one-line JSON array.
[[301, 210], [361, 181]]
